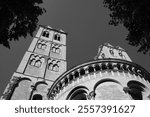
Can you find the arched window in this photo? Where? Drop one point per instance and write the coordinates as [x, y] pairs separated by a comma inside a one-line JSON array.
[[32, 62], [109, 89], [53, 65], [56, 48], [37, 97], [36, 60], [42, 44], [45, 34], [39, 45], [38, 63], [78, 93], [135, 89], [57, 37], [50, 66]]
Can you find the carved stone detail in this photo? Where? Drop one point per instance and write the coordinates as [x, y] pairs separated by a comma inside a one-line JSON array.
[[91, 95], [10, 88]]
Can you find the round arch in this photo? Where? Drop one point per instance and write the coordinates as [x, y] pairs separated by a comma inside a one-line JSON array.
[[105, 80], [78, 93], [37, 97], [135, 89], [109, 89]]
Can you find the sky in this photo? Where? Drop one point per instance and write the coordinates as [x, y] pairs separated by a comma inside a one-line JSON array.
[[86, 22]]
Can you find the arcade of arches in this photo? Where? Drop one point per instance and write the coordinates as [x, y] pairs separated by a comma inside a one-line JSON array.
[[108, 89]]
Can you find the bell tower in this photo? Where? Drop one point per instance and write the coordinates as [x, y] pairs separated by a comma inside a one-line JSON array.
[[115, 52], [42, 64]]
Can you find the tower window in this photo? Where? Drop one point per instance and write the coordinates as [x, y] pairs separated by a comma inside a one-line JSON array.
[[45, 34], [36, 60], [56, 48], [38, 63], [111, 52], [42, 44], [53, 65], [57, 37], [37, 97], [39, 45]]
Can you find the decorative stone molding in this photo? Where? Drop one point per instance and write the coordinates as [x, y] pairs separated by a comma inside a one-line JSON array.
[[101, 65], [91, 95], [10, 88], [36, 60], [34, 87]]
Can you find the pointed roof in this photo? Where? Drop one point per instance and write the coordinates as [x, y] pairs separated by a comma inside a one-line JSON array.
[[118, 47], [108, 44]]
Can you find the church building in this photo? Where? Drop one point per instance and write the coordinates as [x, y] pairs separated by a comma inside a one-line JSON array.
[[43, 75]]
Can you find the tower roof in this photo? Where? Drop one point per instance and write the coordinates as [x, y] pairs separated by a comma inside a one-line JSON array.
[[50, 28], [106, 50], [107, 44]]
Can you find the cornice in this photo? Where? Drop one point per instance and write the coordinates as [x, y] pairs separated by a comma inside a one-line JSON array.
[[94, 66]]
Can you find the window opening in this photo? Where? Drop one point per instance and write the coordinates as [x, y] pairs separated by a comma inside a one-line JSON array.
[[57, 37], [37, 97], [45, 34]]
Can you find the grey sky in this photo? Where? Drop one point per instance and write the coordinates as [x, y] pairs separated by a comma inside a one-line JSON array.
[[86, 22]]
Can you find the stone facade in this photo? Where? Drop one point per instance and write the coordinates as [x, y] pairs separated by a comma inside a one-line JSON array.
[[42, 73], [41, 65], [111, 76]]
